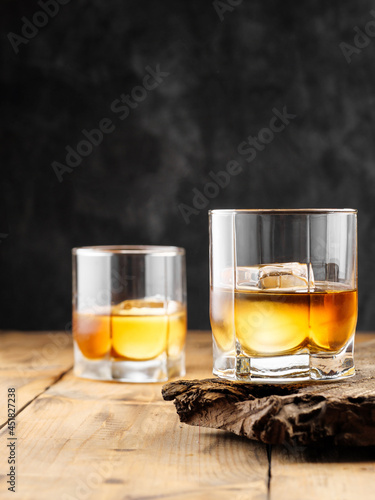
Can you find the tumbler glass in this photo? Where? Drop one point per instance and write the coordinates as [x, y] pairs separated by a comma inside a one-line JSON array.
[[129, 312], [283, 298]]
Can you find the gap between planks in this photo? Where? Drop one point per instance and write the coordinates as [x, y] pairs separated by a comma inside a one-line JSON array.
[[57, 379], [269, 456]]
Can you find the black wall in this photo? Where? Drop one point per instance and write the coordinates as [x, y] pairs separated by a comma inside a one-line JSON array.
[[226, 75]]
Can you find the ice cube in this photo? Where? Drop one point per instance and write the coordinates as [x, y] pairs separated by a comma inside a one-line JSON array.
[[149, 306], [247, 276], [290, 276], [139, 307]]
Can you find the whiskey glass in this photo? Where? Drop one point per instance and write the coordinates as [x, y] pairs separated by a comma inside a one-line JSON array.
[[129, 312], [283, 294]]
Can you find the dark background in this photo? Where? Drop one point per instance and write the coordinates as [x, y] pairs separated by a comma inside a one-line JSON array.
[[225, 78]]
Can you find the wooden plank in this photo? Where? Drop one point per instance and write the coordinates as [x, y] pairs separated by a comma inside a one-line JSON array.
[[31, 362], [322, 473], [327, 473], [101, 440], [364, 337], [85, 439]]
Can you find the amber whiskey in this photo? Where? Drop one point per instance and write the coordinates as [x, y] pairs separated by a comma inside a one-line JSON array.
[[134, 330], [268, 323]]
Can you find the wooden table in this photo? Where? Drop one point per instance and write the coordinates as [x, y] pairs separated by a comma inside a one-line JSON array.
[[82, 439]]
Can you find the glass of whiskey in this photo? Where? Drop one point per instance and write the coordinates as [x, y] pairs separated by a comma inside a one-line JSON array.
[[283, 294], [129, 312]]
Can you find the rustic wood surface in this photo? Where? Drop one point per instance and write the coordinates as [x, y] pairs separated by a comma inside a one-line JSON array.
[[82, 439], [337, 413]]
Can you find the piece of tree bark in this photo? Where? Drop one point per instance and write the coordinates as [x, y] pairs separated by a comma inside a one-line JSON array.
[[339, 413]]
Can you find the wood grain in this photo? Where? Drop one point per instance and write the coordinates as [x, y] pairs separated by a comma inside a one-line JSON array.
[[99, 440], [31, 363], [310, 473], [81, 439]]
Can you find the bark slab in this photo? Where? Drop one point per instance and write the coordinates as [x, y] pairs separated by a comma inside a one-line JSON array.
[[337, 413]]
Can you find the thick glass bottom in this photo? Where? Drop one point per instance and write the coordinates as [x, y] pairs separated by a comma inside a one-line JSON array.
[[159, 369], [300, 367]]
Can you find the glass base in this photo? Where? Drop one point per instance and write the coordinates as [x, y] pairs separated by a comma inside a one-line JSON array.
[[159, 369], [299, 367]]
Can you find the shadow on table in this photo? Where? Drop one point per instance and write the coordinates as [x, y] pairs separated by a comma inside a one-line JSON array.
[[313, 453], [325, 453]]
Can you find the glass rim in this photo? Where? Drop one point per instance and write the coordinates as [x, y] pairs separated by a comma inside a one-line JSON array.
[[159, 250], [282, 211]]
